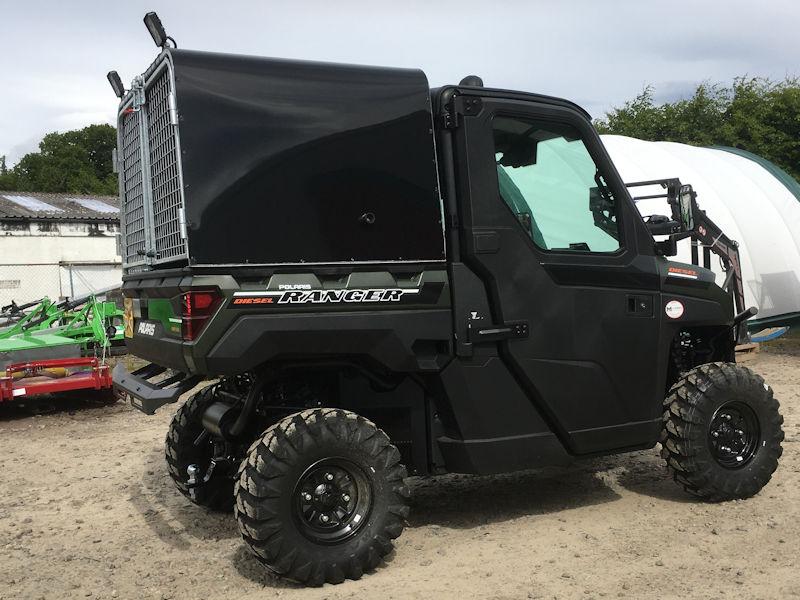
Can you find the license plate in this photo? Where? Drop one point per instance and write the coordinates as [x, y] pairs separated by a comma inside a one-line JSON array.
[[146, 328], [127, 317]]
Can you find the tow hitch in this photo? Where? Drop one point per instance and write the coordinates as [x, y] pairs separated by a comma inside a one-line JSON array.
[[193, 471]]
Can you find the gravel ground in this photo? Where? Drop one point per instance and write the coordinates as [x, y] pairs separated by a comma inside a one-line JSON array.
[[87, 511]]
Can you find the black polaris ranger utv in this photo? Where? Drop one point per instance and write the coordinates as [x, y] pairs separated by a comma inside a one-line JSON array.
[[384, 279]]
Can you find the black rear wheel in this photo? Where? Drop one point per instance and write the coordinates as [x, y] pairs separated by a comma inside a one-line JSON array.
[[722, 432], [320, 496], [332, 500]]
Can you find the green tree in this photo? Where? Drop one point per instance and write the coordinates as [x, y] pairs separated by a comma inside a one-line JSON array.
[[7, 179], [753, 114], [76, 161]]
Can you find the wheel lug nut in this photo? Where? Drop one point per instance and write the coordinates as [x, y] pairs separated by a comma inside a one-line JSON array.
[[715, 434], [727, 417], [324, 518], [306, 496], [346, 497], [329, 476]]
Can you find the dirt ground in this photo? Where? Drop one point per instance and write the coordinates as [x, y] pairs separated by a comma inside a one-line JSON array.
[[87, 511]]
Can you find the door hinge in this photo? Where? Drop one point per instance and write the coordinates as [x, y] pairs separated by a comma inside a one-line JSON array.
[[182, 222], [173, 109], [460, 106], [450, 116], [137, 87]]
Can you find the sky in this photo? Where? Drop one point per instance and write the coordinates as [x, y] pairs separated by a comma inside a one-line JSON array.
[[597, 53]]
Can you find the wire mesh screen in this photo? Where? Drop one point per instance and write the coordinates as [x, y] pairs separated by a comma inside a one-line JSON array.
[[132, 196], [165, 177], [29, 283]]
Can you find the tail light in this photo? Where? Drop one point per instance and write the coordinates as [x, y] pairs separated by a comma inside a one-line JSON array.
[[198, 307]]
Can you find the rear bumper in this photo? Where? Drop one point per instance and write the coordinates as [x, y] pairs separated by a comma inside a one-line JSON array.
[[146, 392]]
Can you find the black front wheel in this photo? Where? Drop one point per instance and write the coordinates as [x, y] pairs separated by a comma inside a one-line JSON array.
[[321, 496], [722, 432]]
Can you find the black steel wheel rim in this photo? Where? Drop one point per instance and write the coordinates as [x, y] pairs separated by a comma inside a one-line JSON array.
[[734, 434], [332, 500]]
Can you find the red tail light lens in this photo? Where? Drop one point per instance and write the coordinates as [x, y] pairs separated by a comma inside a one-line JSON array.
[[198, 307]]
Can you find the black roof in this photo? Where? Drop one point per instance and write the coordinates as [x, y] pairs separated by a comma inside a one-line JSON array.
[[58, 207]]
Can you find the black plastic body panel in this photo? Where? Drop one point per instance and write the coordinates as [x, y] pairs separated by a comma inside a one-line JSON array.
[[161, 350], [493, 425], [411, 334], [288, 161], [387, 337]]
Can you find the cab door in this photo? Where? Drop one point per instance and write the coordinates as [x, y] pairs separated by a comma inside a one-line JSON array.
[[548, 225]]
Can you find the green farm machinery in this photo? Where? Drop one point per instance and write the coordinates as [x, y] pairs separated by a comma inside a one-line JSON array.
[[48, 347]]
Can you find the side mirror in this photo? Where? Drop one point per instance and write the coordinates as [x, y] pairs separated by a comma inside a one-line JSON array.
[[686, 207], [667, 247], [661, 225]]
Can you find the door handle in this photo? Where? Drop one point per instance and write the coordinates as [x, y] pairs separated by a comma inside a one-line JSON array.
[[498, 333], [640, 305]]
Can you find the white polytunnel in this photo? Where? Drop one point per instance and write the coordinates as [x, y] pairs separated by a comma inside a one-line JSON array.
[[752, 200]]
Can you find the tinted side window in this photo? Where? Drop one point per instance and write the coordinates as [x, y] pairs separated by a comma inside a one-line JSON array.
[[549, 180]]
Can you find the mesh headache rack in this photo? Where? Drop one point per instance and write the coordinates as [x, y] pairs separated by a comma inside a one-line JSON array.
[[150, 172]]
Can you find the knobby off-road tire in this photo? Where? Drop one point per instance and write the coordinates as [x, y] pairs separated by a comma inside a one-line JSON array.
[[321, 464], [722, 432], [181, 451]]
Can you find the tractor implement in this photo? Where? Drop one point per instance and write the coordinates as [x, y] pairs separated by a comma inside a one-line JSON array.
[[65, 330], [49, 347], [38, 377]]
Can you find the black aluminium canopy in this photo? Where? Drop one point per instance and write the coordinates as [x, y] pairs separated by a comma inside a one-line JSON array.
[[289, 161]]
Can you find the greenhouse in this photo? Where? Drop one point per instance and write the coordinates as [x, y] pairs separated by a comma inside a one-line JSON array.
[[751, 199]]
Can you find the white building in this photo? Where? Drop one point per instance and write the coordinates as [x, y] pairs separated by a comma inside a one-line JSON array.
[[57, 245]]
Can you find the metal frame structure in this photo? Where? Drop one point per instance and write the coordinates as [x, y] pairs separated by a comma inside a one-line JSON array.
[[151, 174], [97, 377], [82, 320], [705, 234]]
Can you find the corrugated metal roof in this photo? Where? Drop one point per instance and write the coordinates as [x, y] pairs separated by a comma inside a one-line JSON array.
[[58, 207]]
